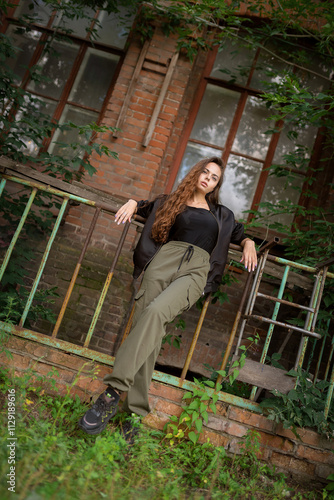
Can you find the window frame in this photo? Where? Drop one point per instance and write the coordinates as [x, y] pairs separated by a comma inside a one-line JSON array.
[[84, 44], [226, 150]]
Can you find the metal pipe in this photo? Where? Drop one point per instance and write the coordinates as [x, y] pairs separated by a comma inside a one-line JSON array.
[[321, 291], [258, 281], [62, 194], [326, 335], [275, 314], [17, 232], [304, 340], [106, 284], [195, 338], [297, 265], [76, 272], [309, 319], [329, 394], [43, 262], [286, 325], [2, 185], [329, 359], [287, 302]]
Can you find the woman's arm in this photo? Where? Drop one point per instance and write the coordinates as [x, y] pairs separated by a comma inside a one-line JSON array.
[[249, 257], [126, 212]]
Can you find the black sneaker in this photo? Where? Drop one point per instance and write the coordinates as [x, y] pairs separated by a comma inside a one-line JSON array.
[[130, 428], [97, 417]]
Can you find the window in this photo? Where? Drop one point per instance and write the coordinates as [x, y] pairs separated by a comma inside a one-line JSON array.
[[232, 122], [75, 72]]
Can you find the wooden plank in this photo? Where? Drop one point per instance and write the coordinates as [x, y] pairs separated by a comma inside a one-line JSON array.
[[160, 100], [265, 376], [131, 88]]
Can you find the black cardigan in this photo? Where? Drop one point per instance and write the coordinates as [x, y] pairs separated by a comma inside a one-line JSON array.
[[229, 232]]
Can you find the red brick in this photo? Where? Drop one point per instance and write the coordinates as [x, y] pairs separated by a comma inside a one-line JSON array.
[[156, 151], [253, 419], [291, 464], [17, 343], [215, 439], [75, 391], [276, 442], [307, 437], [223, 425], [91, 385], [168, 407], [45, 369], [313, 455], [156, 144], [221, 409], [170, 110], [102, 371], [21, 362], [157, 421], [167, 392], [71, 361]]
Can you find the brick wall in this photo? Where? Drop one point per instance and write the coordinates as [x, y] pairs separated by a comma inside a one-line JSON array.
[[308, 459], [138, 171]]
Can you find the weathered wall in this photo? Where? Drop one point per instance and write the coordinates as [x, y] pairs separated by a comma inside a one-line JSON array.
[[308, 459], [140, 172]]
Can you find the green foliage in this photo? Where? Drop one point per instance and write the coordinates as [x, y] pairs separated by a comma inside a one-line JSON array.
[[301, 407], [55, 459], [12, 304], [274, 360], [330, 485], [202, 401], [234, 386]]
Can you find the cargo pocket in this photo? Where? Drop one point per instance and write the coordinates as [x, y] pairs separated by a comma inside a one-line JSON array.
[[193, 294]]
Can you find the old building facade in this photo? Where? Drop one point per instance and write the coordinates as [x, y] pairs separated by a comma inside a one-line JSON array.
[[167, 112]]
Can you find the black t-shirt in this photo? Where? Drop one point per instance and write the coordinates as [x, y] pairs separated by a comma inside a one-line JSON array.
[[196, 226]]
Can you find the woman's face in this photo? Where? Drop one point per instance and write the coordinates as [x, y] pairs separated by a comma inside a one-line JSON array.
[[209, 178]]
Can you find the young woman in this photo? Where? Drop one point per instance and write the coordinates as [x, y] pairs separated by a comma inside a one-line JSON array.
[[182, 251]]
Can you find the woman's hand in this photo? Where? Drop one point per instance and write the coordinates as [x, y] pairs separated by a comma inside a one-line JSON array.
[[126, 211], [249, 257]]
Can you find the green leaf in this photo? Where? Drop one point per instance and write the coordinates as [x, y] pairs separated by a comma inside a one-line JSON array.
[[195, 416], [198, 425], [293, 395], [193, 437]]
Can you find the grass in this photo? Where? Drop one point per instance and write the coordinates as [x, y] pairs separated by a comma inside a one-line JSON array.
[[54, 459]]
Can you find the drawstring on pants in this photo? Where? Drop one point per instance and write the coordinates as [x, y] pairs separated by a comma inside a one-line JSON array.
[[187, 255]]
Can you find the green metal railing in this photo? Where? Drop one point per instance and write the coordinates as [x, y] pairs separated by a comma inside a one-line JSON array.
[[87, 352]]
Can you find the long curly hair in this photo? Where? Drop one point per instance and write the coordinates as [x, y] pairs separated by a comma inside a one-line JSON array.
[[176, 202]]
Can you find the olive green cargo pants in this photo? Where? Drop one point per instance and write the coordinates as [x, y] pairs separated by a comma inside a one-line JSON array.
[[172, 283]]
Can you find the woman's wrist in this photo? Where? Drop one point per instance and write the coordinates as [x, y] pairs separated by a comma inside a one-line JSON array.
[[247, 240], [135, 204]]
